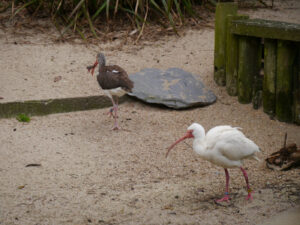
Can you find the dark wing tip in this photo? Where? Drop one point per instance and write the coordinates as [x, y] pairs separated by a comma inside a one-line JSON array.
[[130, 85]]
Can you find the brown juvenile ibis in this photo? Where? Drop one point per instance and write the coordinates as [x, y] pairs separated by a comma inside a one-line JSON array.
[[114, 81]]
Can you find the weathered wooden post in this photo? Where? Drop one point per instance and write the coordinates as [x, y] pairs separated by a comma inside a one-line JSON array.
[[249, 66], [232, 55], [222, 11], [257, 86], [279, 88], [297, 88], [286, 55], [269, 84]]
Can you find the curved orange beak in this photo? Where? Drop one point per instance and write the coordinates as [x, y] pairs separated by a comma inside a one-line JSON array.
[[91, 69], [189, 134]]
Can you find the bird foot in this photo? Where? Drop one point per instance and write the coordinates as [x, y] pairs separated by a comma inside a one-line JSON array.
[[249, 197], [110, 113], [116, 127], [225, 198]]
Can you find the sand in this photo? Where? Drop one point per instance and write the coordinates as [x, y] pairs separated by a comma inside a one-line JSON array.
[[92, 175]]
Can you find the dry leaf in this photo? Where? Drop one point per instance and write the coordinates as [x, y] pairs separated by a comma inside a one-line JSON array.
[[168, 207], [58, 78]]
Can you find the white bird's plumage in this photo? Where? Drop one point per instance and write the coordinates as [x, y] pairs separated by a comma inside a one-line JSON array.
[[115, 71], [115, 92], [224, 146]]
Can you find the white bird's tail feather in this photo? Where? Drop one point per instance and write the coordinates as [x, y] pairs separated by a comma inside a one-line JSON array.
[[256, 158], [238, 128]]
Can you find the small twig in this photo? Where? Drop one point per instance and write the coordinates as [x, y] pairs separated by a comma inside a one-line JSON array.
[[33, 164], [12, 7], [116, 8], [75, 9], [285, 137], [87, 15], [187, 144], [263, 3], [143, 26]]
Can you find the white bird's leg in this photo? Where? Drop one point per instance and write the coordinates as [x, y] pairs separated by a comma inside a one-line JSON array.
[[226, 196], [249, 190]]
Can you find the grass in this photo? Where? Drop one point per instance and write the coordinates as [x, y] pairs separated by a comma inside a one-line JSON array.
[[23, 118], [77, 14]]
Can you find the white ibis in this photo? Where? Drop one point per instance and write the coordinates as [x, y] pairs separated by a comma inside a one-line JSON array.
[[223, 146], [114, 81]]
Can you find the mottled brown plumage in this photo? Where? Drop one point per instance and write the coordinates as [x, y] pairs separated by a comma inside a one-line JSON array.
[[111, 77], [113, 80]]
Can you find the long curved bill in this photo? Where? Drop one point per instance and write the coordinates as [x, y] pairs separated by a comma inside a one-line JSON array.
[[187, 135], [91, 69]]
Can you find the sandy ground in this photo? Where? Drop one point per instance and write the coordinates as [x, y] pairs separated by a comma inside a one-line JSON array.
[[92, 175]]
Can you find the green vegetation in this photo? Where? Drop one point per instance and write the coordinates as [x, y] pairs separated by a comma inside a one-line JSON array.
[[76, 14], [23, 118]]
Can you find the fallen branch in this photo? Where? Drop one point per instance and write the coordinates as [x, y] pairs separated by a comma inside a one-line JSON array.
[[284, 159]]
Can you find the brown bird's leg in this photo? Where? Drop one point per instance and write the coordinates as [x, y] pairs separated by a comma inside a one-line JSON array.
[[226, 196], [116, 107], [115, 115], [111, 110], [249, 190]]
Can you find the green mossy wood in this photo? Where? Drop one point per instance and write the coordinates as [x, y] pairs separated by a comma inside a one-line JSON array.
[[249, 66], [232, 56], [286, 56], [257, 91], [297, 87], [237, 61], [257, 79], [267, 29], [45, 107], [269, 84], [222, 11]]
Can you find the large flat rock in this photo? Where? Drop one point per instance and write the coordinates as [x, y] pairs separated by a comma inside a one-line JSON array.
[[174, 88]]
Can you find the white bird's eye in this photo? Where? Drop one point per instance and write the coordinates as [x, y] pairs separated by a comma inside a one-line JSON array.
[[115, 71]]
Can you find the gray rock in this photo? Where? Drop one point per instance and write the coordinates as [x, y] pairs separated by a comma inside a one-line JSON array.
[[174, 88]]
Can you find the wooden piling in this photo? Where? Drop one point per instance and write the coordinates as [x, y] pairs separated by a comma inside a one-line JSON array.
[[269, 83], [267, 29], [222, 11], [257, 86], [248, 67], [257, 91], [232, 55], [297, 88], [286, 55], [237, 62]]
